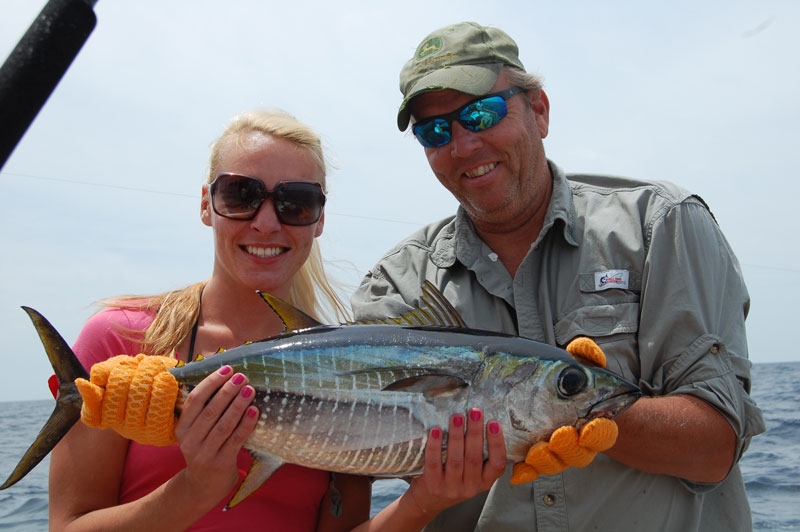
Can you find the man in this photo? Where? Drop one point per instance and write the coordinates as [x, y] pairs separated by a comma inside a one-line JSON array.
[[640, 267]]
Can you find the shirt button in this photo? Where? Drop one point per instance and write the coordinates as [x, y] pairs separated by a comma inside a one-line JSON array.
[[549, 499]]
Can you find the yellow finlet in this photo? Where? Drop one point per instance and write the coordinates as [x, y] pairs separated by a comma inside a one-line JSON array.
[[433, 310]]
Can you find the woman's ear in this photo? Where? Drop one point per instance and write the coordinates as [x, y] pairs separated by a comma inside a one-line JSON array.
[[320, 224], [205, 206]]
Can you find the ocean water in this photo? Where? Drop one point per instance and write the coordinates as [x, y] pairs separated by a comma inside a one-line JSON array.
[[771, 466], [23, 507]]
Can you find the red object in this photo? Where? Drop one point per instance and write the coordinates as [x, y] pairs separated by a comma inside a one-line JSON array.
[[52, 382]]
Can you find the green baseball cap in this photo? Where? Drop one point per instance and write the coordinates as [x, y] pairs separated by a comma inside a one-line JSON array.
[[465, 57]]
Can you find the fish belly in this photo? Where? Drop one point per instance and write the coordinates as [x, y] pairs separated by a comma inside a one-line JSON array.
[[381, 434]]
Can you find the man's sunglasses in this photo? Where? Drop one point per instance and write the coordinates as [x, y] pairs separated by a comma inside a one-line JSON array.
[[239, 197], [478, 115]]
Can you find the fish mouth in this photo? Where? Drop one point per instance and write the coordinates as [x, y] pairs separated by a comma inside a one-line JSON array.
[[613, 406]]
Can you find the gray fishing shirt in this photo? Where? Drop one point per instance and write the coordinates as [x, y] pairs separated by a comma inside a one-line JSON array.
[[644, 270]]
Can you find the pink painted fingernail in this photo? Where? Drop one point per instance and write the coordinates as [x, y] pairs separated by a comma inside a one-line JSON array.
[[252, 411], [494, 427], [247, 392], [224, 370], [458, 420], [436, 433], [475, 414], [238, 379]]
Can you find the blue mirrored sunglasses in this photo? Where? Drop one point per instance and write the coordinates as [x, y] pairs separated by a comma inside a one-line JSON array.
[[478, 115]]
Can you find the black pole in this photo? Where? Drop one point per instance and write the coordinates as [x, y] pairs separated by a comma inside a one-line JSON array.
[[36, 65]]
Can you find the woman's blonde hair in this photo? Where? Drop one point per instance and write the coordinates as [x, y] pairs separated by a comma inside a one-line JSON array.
[[311, 291]]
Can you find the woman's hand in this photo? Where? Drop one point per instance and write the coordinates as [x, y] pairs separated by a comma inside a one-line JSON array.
[[464, 473], [216, 419]]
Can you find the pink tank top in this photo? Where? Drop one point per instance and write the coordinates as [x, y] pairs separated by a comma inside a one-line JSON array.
[[290, 500]]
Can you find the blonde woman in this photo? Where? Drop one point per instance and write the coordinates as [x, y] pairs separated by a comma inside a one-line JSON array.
[[264, 200], [102, 481]]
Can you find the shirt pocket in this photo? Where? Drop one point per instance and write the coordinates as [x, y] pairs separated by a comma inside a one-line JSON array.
[[599, 320], [612, 322]]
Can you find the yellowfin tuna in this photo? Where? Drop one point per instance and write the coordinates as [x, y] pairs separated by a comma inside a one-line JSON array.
[[361, 398]]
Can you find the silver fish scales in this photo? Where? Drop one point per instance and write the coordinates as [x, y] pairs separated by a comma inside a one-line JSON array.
[[361, 398]]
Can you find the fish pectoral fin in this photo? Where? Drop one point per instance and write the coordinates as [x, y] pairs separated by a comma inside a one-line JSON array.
[[432, 385], [263, 466], [292, 317]]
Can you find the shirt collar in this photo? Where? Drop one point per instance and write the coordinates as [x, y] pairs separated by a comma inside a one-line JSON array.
[[459, 240], [561, 206]]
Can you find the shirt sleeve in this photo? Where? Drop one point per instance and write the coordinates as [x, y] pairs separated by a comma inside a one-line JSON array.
[[109, 333], [692, 318], [379, 295]]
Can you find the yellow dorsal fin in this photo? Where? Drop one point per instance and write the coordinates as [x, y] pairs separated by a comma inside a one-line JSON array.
[[434, 310], [293, 318]]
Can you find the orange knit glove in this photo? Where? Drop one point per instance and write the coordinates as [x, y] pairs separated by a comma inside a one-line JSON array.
[[566, 447], [135, 396]]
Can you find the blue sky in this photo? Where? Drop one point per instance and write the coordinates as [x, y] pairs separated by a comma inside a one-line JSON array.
[[101, 196]]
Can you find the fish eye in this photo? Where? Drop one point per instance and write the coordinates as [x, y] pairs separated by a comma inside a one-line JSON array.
[[571, 381]]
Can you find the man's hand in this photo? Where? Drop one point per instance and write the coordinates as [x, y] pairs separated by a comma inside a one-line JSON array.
[[568, 448], [134, 396]]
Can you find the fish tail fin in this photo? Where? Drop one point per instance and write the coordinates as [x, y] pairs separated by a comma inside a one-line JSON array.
[[67, 411]]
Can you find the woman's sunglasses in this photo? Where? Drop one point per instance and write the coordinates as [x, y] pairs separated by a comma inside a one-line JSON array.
[[478, 115], [239, 197]]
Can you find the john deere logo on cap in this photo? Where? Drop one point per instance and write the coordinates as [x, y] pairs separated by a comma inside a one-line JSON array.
[[431, 46]]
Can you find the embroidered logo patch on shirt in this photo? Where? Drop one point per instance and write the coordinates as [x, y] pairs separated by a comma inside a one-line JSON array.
[[611, 279]]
